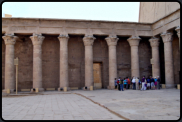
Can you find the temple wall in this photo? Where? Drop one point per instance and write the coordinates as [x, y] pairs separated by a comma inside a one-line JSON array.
[[153, 11]]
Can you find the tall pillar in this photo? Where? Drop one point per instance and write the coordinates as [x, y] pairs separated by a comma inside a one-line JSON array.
[[37, 61], [178, 33], [63, 81], [134, 43], [154, 42], [112, 42], [168, 54], [88, 42], [10, 41]]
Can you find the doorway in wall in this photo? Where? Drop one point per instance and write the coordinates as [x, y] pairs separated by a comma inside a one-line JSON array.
[[97, 75]]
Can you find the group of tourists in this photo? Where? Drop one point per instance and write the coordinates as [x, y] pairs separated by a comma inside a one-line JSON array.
[[136, 84]]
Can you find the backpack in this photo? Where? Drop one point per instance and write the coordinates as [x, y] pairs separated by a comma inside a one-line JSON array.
[[117, 81]]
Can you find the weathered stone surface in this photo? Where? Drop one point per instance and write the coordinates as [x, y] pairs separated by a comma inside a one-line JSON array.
[[88, 42], [63, 60], [37, 60], [9, 40], [154, 42], [169, 70], [134, 42], [112, 42]]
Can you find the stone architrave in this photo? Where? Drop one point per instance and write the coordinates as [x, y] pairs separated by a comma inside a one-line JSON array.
[[134, 43], [10, 41], [88, 42], [37, 40], [178, 33], [168, 55], [112, 42], [154, 42], [63, 80]]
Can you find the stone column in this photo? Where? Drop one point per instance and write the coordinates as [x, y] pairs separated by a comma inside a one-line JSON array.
[[112, 42], [168, 54], [10, 41], [63, 81], [88, 42], [134, 43], [37, 61], [178, 33], [154, 42]]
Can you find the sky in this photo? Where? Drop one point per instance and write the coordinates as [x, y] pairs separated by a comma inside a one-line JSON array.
[[112, 11]]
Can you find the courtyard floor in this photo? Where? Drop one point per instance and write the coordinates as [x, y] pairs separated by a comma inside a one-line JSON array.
[[100, 104]]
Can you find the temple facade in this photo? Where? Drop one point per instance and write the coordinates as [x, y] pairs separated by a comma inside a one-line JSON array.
[[66, 53]]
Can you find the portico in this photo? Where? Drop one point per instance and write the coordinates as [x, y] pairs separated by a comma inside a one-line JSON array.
[[63, 51]]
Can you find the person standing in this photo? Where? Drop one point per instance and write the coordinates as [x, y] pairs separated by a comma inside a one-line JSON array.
[[139, 83], [155, 83], [152, 82], [124, 83], [158, 82], [121, 83], [128, 83], [148, 83], [143, 84], [136, 83], [115, 81], [133, 81]]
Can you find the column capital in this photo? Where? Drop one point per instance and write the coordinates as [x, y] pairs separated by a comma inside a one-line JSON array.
[[37, 39], [112, 40], [134, 40], [154, 42], [88, 40], [178, 31], [9, 39], [65, 37], [166, 37]]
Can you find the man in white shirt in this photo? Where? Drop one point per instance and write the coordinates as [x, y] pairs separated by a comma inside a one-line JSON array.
[[133, 81]]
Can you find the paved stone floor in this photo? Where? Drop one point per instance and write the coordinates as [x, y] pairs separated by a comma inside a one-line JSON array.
[[161, 104], [53, 106]]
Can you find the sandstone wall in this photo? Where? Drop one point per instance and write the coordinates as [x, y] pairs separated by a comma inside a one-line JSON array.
[[145, 54], [24, 52], [176, 57], [153, 11], [50, 62], [3, 62]]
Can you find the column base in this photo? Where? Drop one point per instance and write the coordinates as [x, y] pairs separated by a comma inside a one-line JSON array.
[[110, 87], [8, 91], [37, 90], [168, 86], [64, 89]]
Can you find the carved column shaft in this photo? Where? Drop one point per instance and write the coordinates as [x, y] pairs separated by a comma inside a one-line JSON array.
[[88, 42], [37, 61], [63, 60], [134, 42], [112, 42], [154, 42], [168, 55], [10, 40], [178, 33]]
